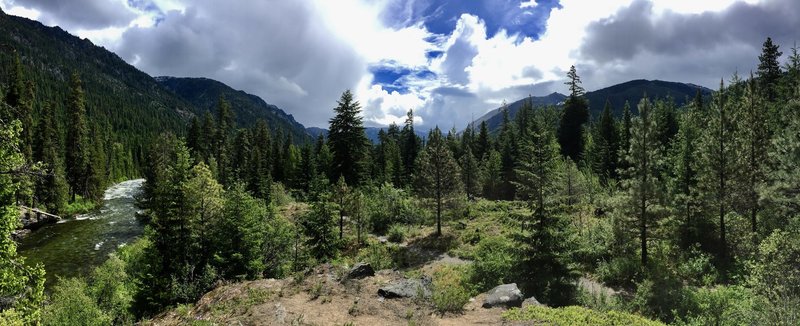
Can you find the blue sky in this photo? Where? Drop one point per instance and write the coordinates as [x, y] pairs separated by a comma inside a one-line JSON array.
[[450, 61]]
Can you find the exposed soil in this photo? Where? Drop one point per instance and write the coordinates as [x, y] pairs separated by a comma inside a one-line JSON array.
[[320, 299]]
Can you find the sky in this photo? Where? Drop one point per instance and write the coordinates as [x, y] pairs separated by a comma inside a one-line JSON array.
[[449, 61]]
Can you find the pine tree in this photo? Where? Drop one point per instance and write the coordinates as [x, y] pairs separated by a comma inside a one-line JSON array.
[[78, 148], [482, 144], [51, 189], [319, 228], [471, 173], [204, 213], [97, 169], [607, 142], [686, 197], [347, 140], [544, 251], [507, 143], [666, 120], [769, 70], [324, 158], [493, 170], [222, 142], [576, 113], [308, 166], [625, 137], [261, 167], [409, 146], [340, 196], [537, 172], [718, 158], [438, 174], [643, 187], [754, 135], [781, 190]]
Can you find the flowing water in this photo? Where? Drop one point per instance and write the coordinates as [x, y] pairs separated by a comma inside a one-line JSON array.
[[73, 247]]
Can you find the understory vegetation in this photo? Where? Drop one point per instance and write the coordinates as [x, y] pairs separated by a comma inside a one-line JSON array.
[[684, 215]]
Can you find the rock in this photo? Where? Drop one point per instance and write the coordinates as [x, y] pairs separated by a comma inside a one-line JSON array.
[[407, 288], [359, 271], [506, 295], [531, 302], [20, 234]]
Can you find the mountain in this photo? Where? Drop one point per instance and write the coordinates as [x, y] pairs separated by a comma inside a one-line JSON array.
[[118, 95], [631, 91], [372, 132], [316, 131], [634, 90], [494, 118], [204, 94]]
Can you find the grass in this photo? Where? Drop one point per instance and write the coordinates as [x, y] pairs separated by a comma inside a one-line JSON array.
[[575, 315], [242, 304], [79, 206]]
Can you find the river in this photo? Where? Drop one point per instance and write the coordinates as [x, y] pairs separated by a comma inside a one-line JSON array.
[[73, 247]]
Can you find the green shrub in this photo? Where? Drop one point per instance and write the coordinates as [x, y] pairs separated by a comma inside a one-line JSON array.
[[72, 305], [387, 205], [493, 264], [377, 255], [397, 233], [721, 305], [575, 316], [79, 206], [776, 278], [450, 292], [112, 289]]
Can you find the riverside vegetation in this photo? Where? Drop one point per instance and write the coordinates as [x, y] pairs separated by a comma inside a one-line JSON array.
[[690, 213]]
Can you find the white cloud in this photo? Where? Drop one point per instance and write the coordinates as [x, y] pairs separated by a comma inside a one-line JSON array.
[[301, 54]]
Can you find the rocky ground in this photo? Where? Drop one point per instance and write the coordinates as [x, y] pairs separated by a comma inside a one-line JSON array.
[[321, 299]]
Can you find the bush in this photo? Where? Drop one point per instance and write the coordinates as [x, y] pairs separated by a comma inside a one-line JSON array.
[[493, 264], [397, 233], [575, 316], [776, 278], [721, 305], [377, 255], [72, 305], [450, 292], [386, 205]]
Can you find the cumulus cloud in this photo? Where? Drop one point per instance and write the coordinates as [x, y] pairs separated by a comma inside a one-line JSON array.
[[80, 14], [277, 50], [638, 41], [450, 61]]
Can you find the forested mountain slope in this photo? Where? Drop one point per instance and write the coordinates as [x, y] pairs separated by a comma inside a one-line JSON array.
[[204, 93]]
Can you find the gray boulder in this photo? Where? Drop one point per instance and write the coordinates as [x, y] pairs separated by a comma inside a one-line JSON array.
[[407, 288], [506, 295], [359, 271], [531, 302]]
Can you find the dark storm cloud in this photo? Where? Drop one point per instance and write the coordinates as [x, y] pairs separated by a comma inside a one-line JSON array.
[[85, 14], [278, 50], [698, 48]]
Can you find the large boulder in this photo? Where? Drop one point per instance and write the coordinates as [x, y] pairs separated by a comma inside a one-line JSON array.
[[359, 271], [407, 288], [506, 295]]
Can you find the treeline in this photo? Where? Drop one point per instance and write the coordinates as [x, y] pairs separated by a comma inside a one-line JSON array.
[[69, 159]]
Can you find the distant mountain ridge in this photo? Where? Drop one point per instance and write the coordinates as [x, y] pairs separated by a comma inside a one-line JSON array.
[[204, 94], [372, 132], [630, 91]]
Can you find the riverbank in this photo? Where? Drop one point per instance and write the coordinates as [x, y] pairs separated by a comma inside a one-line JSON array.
[[74, 246]]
